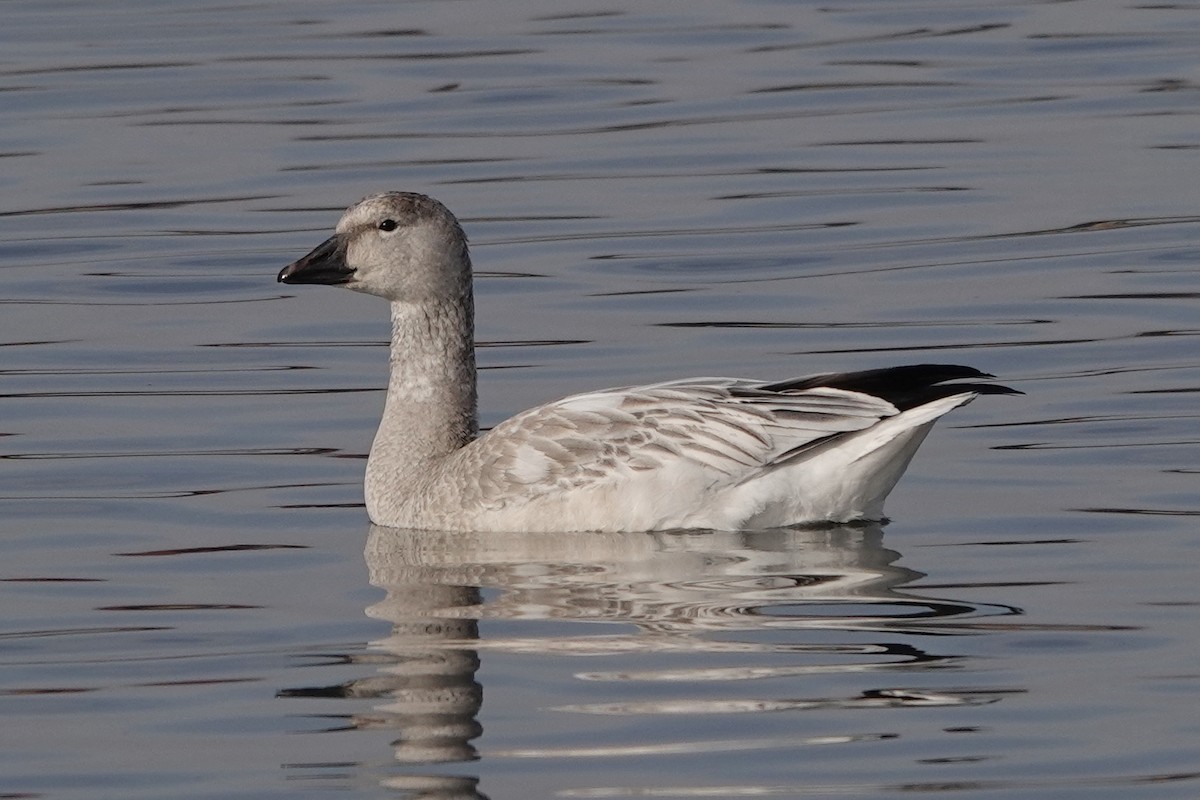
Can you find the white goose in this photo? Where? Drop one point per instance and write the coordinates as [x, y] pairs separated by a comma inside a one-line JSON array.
[[720, 453]]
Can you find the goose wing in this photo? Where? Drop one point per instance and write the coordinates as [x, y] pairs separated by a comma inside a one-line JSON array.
[[723, 429]]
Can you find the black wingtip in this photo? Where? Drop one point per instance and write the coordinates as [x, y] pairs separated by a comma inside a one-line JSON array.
[[993, 388], [904, 387]]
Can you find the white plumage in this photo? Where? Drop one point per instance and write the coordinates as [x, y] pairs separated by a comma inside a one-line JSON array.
[[717, 453]]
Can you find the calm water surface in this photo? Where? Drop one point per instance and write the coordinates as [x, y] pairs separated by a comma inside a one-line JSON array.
[[653, 190]]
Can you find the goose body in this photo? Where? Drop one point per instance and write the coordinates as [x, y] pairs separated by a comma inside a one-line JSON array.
[[720, 453]]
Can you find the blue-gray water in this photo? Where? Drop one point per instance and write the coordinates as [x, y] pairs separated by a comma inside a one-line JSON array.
[[652, 190]]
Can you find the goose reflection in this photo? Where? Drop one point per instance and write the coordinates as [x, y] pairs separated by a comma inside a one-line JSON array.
[[742, 593]]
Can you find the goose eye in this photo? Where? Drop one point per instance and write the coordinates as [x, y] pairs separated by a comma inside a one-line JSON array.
[[388, 225]]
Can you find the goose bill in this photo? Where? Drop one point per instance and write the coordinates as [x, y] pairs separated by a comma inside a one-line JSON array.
[[325, 264]]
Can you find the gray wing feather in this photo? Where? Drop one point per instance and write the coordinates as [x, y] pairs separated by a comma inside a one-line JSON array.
[[730, 428]]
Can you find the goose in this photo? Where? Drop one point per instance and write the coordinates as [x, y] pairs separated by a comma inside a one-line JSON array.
[[698, 453]]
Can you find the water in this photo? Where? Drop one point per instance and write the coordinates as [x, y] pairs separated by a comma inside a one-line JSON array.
[[652, 190]]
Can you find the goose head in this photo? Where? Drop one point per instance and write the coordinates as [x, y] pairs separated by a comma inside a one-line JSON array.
[[402, 246]]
